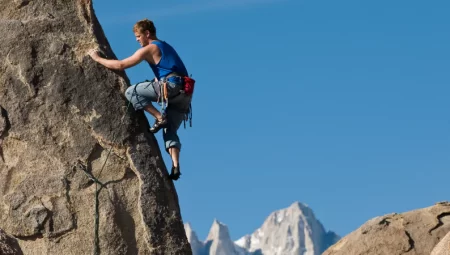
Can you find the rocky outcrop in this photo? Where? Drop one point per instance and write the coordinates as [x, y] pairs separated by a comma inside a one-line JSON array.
[[63, 119], [411, 233], [9, 245], [443, 247]]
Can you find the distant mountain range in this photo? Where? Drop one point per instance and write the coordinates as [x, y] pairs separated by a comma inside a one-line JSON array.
[[290, 231]]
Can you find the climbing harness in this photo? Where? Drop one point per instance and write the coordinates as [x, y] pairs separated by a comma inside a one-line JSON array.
[[186, 90]]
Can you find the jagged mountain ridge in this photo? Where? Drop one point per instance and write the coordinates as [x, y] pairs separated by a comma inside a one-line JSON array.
[[289, 231]]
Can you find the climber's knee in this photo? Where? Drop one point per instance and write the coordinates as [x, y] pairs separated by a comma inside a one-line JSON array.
[[129, 92], [141, 95]]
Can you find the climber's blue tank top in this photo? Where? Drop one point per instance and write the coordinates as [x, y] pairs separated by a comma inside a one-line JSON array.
[[170, 61]]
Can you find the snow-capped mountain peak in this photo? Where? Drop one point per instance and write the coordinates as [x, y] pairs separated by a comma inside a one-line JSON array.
[[289, 231], [292, 230], [218, 231], [218, 241], [196, 244], [190, 232]]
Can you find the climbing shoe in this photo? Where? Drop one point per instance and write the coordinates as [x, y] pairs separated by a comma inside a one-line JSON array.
[[175, 173], [158, 124]]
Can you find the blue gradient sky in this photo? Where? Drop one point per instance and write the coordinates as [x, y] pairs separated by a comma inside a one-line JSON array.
[[341, 105]]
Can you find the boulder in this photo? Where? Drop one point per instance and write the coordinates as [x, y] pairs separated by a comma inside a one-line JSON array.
[[80, 173], [411, 233]]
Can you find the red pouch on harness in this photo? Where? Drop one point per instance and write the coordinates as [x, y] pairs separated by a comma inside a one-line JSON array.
[[188, 85]]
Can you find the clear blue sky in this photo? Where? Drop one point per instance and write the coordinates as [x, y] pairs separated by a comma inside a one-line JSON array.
[[342, 105]]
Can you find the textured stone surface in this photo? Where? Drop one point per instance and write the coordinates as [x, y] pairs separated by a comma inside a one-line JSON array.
[[443, 247], [415, 232], [60, 113], [9, 245]]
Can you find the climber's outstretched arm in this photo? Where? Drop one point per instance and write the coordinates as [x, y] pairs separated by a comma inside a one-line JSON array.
[[133, 60]]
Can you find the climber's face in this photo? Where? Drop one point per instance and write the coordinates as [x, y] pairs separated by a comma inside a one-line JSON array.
[[142, 38]]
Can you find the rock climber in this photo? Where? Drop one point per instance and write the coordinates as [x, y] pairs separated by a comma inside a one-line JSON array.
[[170, 77]]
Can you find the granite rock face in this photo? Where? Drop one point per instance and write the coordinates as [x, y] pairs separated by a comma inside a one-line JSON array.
[[9, 245], [63, 118], [443, 247], [415, 232]]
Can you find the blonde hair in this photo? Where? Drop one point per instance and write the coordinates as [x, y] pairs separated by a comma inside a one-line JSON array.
[[145, 24]]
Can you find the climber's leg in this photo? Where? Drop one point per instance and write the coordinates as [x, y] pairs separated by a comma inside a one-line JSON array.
[[172, 141], [142, 95], [175, 155]]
